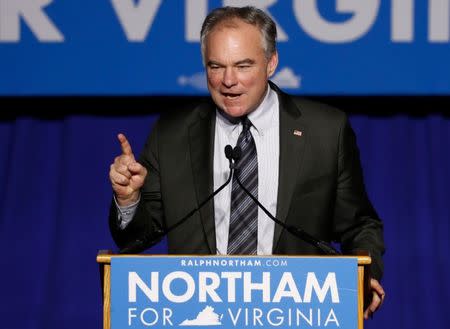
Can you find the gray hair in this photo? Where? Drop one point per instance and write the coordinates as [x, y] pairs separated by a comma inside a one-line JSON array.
[[249, 15]]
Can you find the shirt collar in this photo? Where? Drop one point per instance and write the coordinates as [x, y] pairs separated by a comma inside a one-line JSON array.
[[262, 118]]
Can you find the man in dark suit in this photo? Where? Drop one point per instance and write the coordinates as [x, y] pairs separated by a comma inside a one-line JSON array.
[[307, 162]]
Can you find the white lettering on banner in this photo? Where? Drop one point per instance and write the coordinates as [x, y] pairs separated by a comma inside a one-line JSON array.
[[209, 283], [150, 316], [331, 318], [190, 287], [231, 283], [196, 11], [264, 286], [402, 20], [134, 281], [131, 314], [309, 18], [287, 281], [136, 19], [209, 288], [257, 314], [439, 21], [223, 262], [32, 13], [279, 318], [310, 319], [329, 284], [276, 262], [245, 317], [167, 314], [234, 318]]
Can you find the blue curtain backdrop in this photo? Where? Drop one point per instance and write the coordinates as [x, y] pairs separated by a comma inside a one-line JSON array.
[[55, 194]]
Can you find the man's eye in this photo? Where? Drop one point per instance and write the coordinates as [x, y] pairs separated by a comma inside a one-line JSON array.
[[242, 67]]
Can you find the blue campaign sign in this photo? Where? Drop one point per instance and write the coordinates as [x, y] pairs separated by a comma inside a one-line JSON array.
[[233, 292], [151, 47]]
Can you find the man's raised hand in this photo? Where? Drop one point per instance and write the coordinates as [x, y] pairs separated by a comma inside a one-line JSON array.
[[127, 176]]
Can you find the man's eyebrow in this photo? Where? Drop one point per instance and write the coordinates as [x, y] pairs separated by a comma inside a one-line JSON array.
[[245, 61], [241, 62], [209, 63]]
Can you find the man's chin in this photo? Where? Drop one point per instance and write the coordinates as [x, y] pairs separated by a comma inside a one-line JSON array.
[[235, 111]]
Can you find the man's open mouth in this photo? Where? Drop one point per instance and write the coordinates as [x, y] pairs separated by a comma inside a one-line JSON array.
[[231, 95]]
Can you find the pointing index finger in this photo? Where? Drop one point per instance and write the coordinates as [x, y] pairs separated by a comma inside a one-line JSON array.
[[125, 145]]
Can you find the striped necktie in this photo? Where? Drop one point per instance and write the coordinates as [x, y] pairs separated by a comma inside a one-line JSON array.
[[243, 231]]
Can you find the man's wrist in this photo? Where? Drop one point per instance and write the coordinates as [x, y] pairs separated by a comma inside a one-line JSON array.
[[126, 213], [127, 202]]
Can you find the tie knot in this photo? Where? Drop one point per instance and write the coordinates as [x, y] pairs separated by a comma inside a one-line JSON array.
[[246, 124]]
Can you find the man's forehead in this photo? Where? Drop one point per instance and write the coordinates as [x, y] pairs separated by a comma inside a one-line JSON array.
[[219, 31]]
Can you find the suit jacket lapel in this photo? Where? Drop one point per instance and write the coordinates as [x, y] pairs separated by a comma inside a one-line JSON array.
[[201, 144], [293, 138]]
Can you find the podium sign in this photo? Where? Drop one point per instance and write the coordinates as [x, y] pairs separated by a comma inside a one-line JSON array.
[[233, 292]]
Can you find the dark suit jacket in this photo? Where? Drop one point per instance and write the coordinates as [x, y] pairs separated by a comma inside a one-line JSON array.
[[320, 188]]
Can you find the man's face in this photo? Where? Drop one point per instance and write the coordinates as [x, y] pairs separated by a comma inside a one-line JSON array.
[[237, 68]]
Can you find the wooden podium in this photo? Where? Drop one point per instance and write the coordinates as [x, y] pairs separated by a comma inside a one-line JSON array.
[[104, 259]]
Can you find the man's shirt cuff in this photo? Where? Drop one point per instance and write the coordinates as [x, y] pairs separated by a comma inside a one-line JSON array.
[[125, 214]]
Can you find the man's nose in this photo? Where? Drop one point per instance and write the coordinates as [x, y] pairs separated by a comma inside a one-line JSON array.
[[229, 77]]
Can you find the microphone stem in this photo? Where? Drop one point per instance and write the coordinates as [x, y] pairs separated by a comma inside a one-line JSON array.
[[322, 245], [141, 244], [181, 221]]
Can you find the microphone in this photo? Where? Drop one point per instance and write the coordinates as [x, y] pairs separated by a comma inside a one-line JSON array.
[[296, 231], [146, 242]]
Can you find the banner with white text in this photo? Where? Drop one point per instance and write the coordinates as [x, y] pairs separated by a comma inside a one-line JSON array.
[[151, 47], [233, 292]]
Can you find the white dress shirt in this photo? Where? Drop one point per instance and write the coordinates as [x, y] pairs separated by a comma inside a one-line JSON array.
[[265, 132]]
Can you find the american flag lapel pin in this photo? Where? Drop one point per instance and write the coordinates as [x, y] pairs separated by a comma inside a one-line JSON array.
[[298, 133]]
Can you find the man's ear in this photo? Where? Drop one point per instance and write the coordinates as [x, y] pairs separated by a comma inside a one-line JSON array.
[[272, 65]]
